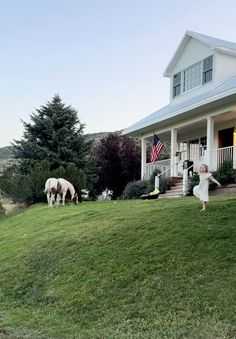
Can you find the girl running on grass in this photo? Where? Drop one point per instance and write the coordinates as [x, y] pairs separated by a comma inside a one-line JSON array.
[[201, 191]]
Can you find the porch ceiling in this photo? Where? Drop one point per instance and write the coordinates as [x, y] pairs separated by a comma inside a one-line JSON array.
[[228, 116], [199, 127]]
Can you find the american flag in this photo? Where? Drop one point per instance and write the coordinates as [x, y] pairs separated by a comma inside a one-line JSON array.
[[156, 148]]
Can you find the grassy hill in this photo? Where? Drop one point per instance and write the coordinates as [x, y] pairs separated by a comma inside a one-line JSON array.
[[125, 269]]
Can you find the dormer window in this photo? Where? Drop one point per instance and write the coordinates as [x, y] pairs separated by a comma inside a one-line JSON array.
[[207, 69], [177, 84], [193, 76]]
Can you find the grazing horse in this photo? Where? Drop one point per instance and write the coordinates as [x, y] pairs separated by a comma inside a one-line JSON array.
[[66, 186], [59, 187], [52, 187]]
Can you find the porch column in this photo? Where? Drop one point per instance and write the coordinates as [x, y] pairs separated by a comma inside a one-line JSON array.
[[210, 155], [188, 150], [234, 149], [143, 158], [173, 171]]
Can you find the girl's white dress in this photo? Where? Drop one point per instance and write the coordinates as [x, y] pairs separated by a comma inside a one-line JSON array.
[[201, 191]]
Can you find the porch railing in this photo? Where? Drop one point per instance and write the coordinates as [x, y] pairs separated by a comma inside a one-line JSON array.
[[223, 154], [162, 166], [219, 156]]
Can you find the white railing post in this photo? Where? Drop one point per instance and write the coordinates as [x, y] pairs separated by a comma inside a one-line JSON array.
[[157, 181], [185, 182], [143, 159], [234, 157]]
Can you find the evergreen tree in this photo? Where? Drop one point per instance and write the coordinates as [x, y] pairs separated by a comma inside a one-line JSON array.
[[54, 133]]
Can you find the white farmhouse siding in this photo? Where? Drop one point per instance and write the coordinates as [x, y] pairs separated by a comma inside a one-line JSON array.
[[194, 52], [225, 66]]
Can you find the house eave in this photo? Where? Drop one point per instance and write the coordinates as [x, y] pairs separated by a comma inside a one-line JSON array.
[[177, 116]]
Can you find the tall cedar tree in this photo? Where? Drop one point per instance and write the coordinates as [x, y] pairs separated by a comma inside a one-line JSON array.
[[118, 162], [55, 134]]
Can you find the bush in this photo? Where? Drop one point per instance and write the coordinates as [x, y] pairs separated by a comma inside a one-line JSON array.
[[135, 189], [226, 174], [29, 187], [16, 186], [192, 181]]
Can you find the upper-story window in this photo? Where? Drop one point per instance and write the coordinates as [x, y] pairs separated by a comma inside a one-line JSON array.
[[193, 76], [177, 84], [207, 69]]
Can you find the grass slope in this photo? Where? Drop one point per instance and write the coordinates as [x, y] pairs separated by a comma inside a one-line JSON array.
[[130, 269]]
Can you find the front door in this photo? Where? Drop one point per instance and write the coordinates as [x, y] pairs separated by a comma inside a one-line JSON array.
[[225, 137]]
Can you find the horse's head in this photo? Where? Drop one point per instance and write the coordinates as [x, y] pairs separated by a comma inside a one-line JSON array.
[[75, 199]]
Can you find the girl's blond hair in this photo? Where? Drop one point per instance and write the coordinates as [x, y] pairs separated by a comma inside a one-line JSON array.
[[205, 166]]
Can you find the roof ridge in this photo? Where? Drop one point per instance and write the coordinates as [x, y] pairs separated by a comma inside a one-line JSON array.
[[214, 41]]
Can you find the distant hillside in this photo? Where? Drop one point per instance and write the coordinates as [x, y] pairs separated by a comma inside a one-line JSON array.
[[6, 152], [96, 137]]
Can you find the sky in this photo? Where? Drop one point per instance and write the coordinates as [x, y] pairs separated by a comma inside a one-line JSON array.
[[105, 58]]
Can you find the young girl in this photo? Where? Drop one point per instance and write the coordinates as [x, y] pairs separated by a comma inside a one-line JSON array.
[[201, 190]]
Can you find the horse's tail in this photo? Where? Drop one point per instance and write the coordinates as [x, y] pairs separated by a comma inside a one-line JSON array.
[[46, 187]]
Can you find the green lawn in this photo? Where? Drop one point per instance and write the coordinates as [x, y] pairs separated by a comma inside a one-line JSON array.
[[125, 269]]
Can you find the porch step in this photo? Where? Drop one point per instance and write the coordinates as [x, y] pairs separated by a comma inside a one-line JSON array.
[[175, 191]]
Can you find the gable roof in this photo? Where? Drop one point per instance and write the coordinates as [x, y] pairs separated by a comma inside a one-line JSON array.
[[224, 90], [224, 46]]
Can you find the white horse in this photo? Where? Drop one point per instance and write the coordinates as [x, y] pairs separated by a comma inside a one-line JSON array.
[[51, 189], [59, 187], [64, 187]]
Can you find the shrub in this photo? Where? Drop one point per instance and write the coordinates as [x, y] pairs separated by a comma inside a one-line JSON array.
[[29, 187], [15, 185], [192, 181], [135, 189], [226, 174]]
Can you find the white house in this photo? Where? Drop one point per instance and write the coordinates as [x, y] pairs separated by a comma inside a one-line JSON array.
[[200, 120]]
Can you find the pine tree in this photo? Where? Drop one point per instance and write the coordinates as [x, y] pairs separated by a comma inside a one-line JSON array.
[[54, 133]]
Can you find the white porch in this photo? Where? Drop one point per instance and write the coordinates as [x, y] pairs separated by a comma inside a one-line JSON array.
[[220, 155], [211, 140]]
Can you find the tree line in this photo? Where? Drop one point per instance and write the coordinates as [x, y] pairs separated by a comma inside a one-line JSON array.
[[54, 145]]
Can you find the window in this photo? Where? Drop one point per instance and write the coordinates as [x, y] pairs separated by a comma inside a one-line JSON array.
[[194, 149], [183, 149], [203, 145], [197, 147], [177, 84], [207, 69], [192, 77]]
